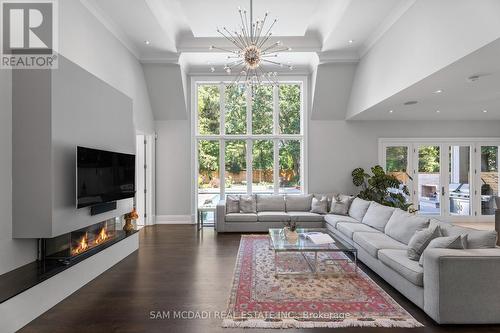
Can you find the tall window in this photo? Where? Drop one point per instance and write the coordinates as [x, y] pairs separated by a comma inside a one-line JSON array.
[[248, 140]]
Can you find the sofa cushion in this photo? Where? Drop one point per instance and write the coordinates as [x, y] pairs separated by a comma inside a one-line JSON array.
[[298, 203], [273, 217], [319, 206], [421, 240], [377, 216], [328, 197], [402, 225], [305, 217], [340, 204], [348, 229], [270, 203], [450, 242], [232, 204], [398, 261], [333, 219], [476, 239], [358, 208], [372, 242], [241, 217], [248, 204]]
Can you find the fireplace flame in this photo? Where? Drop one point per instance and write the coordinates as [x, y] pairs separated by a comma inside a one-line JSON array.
[[102, 236], [82, 245]]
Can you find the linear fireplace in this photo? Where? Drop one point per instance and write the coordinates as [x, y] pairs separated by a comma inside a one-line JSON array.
[[82, 243]]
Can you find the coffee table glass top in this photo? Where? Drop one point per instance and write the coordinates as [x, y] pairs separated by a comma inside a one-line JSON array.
[[280, 243]]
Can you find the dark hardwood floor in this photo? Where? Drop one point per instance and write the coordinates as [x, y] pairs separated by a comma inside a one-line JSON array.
[[177, 268]]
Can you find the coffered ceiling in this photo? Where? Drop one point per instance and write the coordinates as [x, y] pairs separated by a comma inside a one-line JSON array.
[[162, 30]]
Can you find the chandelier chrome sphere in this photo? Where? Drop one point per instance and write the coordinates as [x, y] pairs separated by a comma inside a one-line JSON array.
[[254, 50]]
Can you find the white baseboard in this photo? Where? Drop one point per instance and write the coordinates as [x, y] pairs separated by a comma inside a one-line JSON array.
[[175, 219], [23, 308]]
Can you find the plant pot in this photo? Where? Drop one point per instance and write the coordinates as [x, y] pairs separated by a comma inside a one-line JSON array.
[[291, 236], [129, 226]]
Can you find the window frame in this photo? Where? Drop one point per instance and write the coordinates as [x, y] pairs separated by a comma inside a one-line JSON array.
[[222, 137], [475, 145]]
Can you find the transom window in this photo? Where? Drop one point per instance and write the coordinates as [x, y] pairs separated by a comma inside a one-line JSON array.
[[248, 139]]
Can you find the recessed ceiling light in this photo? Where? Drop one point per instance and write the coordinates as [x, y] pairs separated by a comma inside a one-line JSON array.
[[351, 41], [391, 111], [438, 91], [438, 111], [485, 111], [147, 42]]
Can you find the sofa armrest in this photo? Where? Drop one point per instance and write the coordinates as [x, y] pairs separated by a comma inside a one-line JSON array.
[[462, 286], [220, 216]]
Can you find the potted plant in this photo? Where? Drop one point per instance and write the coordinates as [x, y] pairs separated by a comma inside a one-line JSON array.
[[290, 230], [132, 216], [382, 188]]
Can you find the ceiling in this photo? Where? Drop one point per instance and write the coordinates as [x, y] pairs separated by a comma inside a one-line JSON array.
[[175, 27], [460, 99]]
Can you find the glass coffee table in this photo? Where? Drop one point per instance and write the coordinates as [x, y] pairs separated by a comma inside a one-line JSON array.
[[279, 244]]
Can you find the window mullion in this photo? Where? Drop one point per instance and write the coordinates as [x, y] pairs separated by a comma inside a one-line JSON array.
[[276, 165], [222, 106], [249, 110], [276, 111], [249, 159], [222, 168]]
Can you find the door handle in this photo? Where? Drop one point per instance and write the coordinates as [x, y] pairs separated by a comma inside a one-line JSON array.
[[442, 190]]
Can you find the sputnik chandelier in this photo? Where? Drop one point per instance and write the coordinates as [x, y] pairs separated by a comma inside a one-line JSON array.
[[255, 53]]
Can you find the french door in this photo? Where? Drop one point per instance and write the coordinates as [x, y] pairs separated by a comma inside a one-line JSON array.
[[452, 179]]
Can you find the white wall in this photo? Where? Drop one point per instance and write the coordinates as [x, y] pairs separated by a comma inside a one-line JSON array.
[[428, 37], [13, 252], [166, 91], [173, 168], [86, 42], [338, 147], [332, 84]]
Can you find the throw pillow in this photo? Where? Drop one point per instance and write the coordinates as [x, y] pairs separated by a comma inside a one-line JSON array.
[[451, 242], [377, 216], [319, 206], [232, 204], [476, 239], [298, 203], [403, 225], [358, 208], [340, 204], [248, 204], [421, 240], [271, 203]]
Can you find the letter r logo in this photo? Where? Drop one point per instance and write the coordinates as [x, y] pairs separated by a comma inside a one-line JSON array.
[[27, 27]]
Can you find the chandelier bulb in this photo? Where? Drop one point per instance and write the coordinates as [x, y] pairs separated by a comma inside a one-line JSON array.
[[212, 69]]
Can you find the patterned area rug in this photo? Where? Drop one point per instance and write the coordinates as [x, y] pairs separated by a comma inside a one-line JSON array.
[[344, 298]]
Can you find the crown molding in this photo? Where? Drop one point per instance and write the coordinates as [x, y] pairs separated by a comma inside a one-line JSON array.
[[386, 24], [111, 26], [338, 57]]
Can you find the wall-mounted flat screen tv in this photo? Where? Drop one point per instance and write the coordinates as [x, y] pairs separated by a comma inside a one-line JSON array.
[[103, 176]]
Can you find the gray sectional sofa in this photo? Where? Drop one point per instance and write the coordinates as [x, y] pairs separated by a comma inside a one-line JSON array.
[[453, 286]]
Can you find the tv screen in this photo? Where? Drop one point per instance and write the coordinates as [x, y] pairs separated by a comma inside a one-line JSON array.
[[103, 176]]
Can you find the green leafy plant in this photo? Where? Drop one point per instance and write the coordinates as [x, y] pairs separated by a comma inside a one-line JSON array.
[[381, 187], [290, 225]]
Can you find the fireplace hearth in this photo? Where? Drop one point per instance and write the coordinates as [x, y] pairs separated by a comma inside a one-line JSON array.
[[81, 243]]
